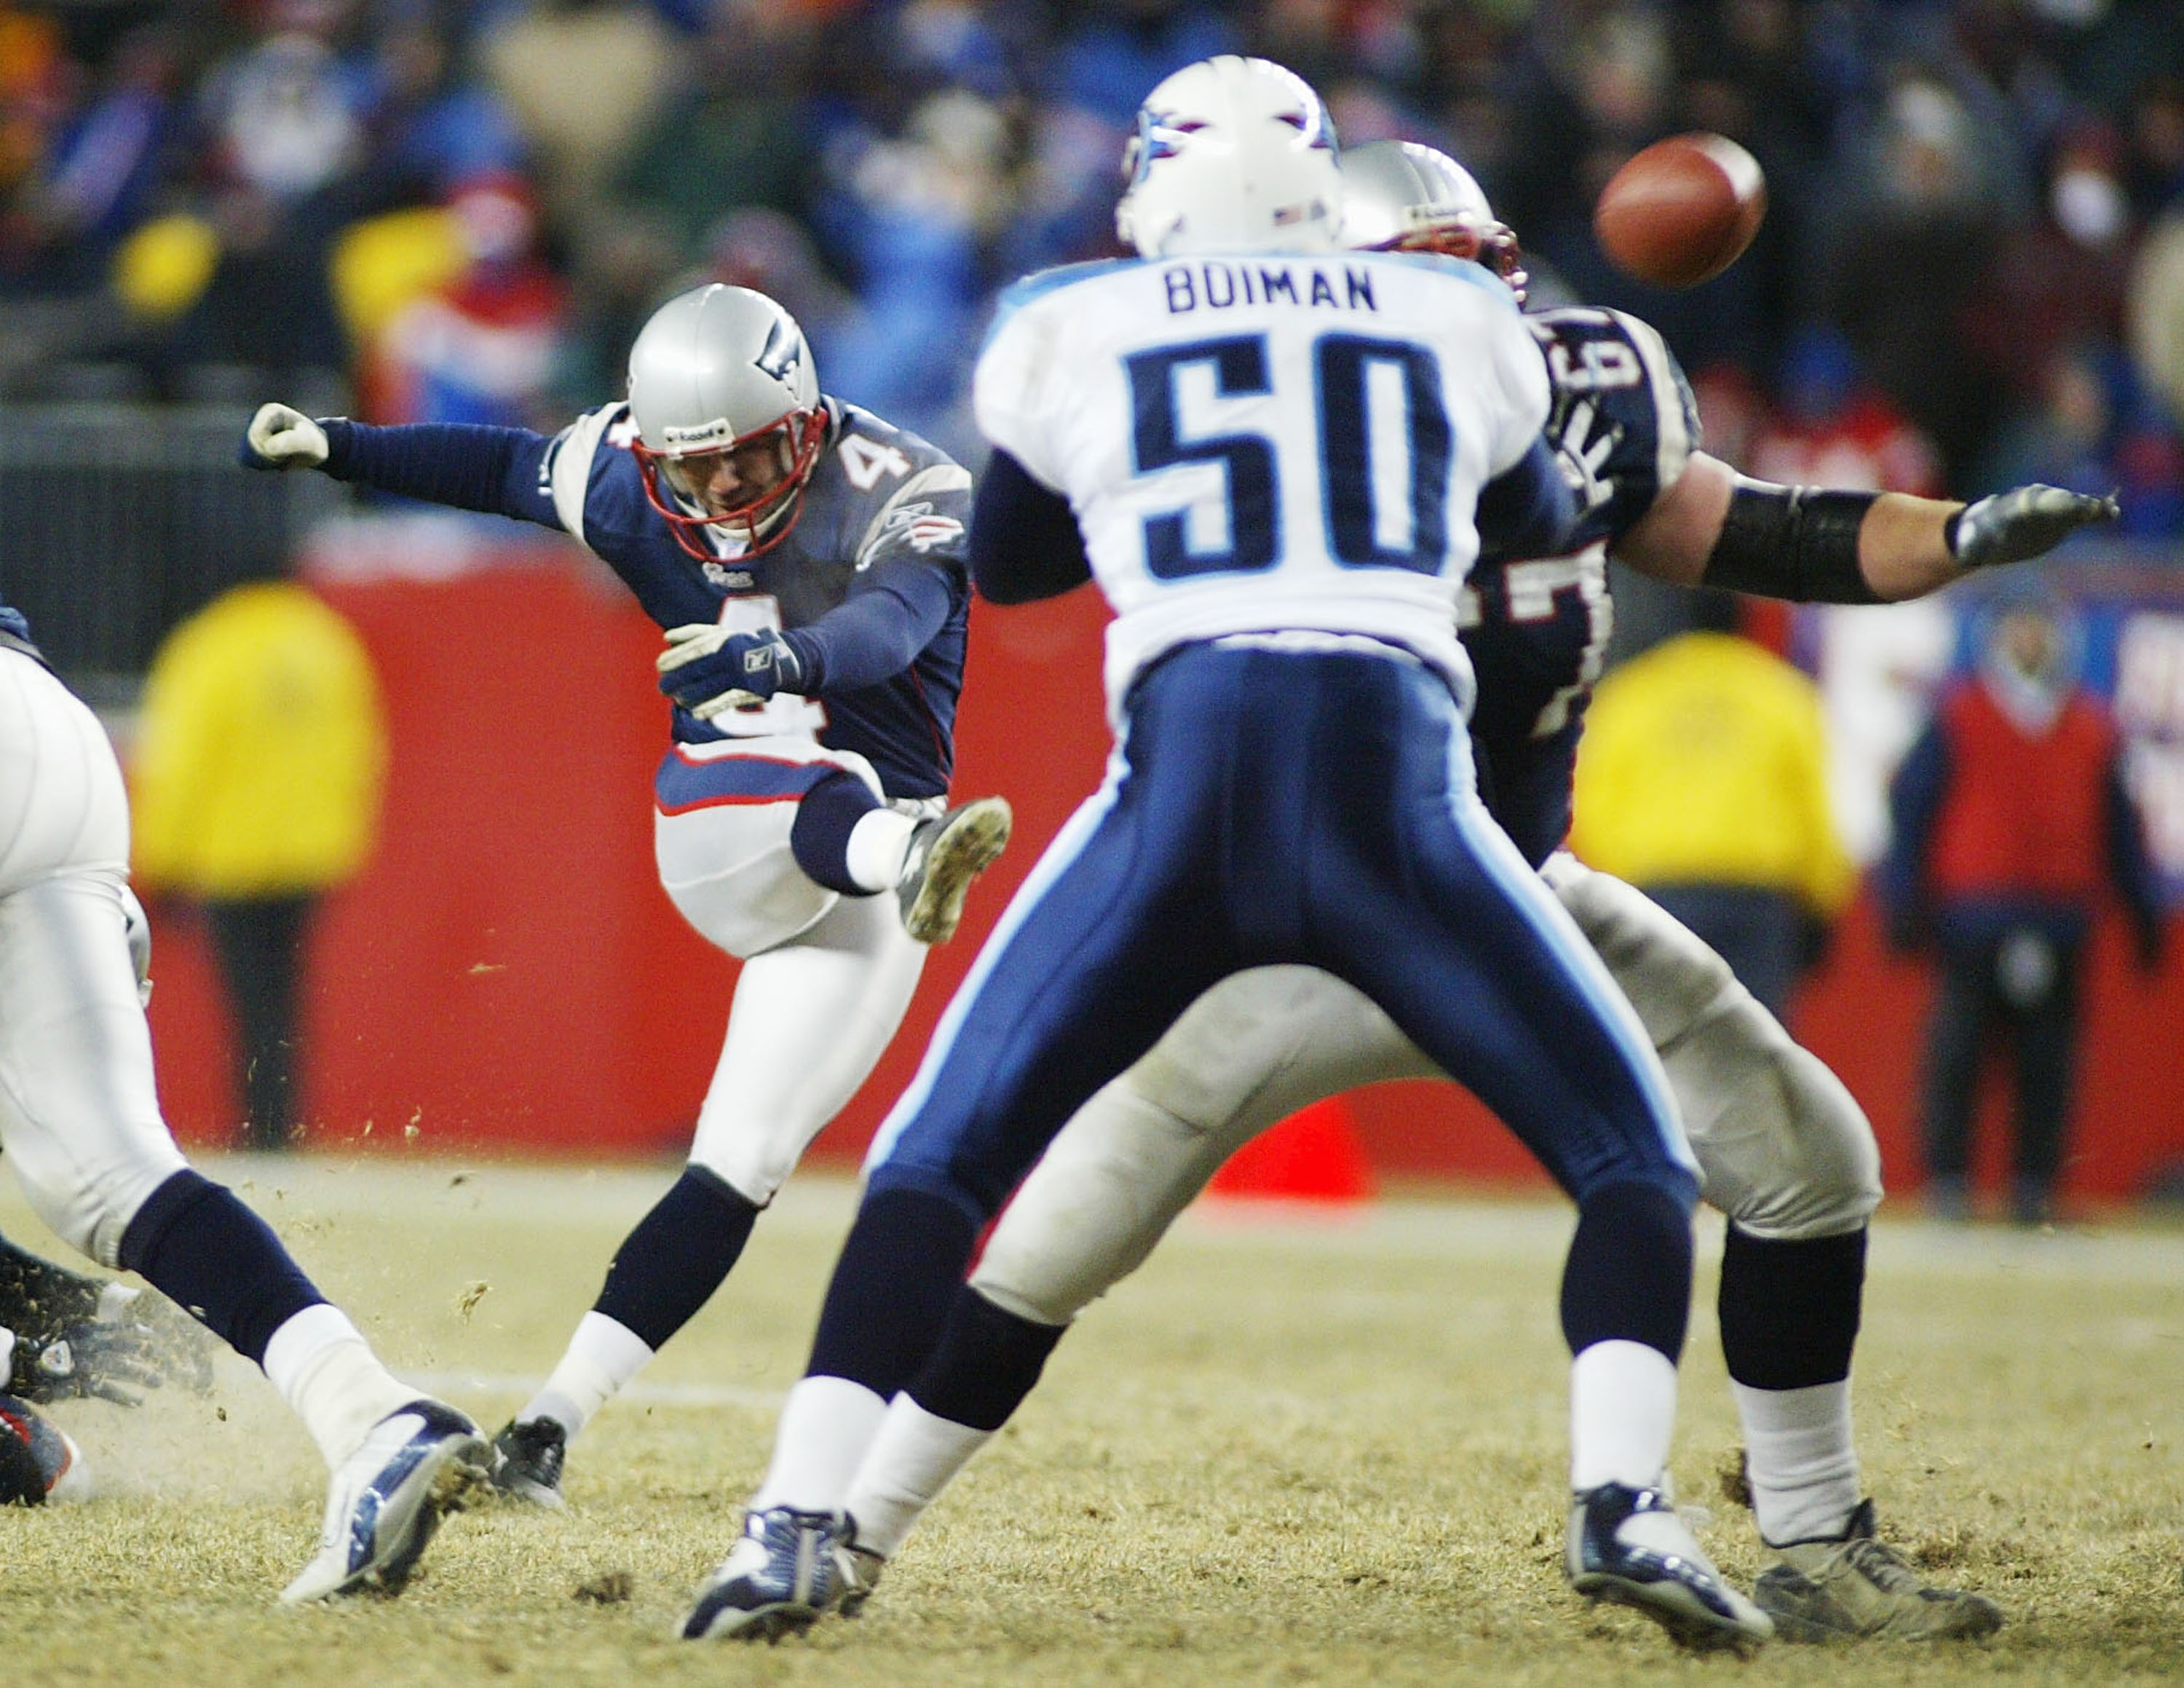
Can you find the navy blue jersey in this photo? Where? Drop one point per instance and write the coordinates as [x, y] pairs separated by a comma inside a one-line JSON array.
[[869, 588], [1626, 424], [882, 526]]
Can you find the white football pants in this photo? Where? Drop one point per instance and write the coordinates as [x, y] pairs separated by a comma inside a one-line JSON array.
[[1782, 1146], [79, 1114], [825, 981]]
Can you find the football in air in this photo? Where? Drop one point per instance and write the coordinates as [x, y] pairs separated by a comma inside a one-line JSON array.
[[1681, 211]]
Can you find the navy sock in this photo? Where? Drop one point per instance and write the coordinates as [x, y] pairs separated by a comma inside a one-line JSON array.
[[819, 838], [1629, 1276], [987, 1362], [679, 1253], [1790, 1311], [892, 1290], [195, 1243]]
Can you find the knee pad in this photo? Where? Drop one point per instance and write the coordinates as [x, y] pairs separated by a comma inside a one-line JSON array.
[[1783, 1147], [90, 1208], [1097, 1203]]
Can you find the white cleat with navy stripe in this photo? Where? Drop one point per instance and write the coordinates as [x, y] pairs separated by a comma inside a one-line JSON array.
[[387, 1500]]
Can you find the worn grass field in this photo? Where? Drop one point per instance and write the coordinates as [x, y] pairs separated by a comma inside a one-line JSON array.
[[1286, 1452]]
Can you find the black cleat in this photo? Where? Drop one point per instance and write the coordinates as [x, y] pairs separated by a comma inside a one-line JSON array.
[[526, 1460], [945, 854]]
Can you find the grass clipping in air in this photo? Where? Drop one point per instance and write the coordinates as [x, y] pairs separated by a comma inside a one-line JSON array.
[[1326, 1452]]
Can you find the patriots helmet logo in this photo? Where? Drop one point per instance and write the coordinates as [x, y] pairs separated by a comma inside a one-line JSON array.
[[783, 351]]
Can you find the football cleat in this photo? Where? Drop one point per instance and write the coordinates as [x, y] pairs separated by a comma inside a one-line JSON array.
[[39, 1462], [860, 1569], [945, 854], [1857, 1585], [526, 1460], [781, 1578], [1628, 1545], [386, 1500]]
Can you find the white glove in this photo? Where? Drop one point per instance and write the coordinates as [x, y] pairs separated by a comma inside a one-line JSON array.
[[691, 641], [280, 437]]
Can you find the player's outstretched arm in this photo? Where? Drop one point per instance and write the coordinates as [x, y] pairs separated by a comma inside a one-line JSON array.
[[1714, 528], [464, 464]]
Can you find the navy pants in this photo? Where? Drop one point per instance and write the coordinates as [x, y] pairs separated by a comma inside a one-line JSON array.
[[1281, 807]]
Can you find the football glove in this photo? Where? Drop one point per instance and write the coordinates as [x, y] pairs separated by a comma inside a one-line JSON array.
[[708, 669], [111, 1359], [280, 437], [2008, 527]]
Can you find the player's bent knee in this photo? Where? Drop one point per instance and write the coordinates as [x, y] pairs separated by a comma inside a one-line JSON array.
[[89, 1205], [1814, 1172]]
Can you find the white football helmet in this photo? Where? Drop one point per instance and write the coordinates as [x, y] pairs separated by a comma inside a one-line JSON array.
[[1231, 155], [726, 398], [1398, 196]]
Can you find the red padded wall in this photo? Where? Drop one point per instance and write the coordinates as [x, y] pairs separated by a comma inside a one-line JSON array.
[[507, 975]]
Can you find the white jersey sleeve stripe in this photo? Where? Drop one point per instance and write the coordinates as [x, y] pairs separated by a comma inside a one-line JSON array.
[[1673, 451], [572, 466]]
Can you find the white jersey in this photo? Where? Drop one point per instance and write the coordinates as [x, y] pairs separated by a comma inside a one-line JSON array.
[[1269, 444]]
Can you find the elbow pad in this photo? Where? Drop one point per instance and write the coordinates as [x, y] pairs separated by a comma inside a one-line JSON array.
[[1794, 543]]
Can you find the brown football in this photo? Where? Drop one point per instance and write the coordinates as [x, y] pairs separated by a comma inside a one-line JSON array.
[[1680, 212]]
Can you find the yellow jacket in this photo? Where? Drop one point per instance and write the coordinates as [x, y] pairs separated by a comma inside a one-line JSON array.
[[262, 752], [1704, 761]]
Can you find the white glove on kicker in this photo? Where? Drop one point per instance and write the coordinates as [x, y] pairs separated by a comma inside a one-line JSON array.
[[285, 438]]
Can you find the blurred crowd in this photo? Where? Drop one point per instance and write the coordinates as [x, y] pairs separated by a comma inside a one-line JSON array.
[[1972, 272]]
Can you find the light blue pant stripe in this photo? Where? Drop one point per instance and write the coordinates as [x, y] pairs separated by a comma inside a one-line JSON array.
[[1490, 846]]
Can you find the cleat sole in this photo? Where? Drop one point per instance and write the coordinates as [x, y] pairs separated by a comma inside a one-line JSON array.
[[973, 845], [1689, 1621]]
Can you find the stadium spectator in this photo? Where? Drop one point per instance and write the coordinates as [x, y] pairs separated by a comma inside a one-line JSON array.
[[1702, 781], [2012, 826], [583, 78], [482, 347], [257, 782]]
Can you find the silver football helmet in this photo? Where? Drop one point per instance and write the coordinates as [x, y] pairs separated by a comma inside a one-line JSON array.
[[726, 398], [1231, 155], [1398, 196]]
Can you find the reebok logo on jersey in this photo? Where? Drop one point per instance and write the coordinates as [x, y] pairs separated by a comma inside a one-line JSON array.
[[918, 524]]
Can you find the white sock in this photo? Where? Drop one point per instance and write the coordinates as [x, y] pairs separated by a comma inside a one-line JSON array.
[[826, 1426], [1802, 1459], [602, 1356], [326, 1371], [1623, 1414], [916, 1455], [874, 853]]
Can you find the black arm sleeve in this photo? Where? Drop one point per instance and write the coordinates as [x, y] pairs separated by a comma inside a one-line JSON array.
[[461, 464], [1025, 544], [1528, 509], [1795, 543]]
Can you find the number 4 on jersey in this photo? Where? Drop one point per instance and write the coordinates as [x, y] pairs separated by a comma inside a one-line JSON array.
[[864, 461]]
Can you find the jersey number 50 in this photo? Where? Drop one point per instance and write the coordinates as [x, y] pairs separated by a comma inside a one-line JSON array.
[[1344, 367]]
